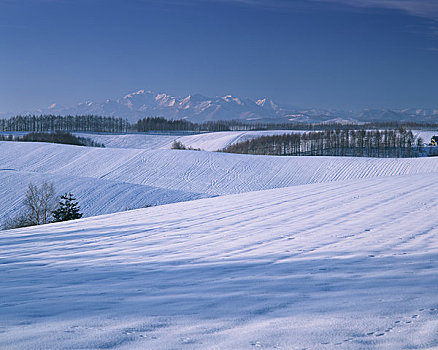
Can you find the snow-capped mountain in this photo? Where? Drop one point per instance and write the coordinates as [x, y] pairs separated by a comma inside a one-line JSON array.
[[199, 108], [196, 108]]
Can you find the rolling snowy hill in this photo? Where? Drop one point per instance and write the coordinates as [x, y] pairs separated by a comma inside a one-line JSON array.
[[107, 180], [96, 196], [139, 141], [212, 141], [348, 265], [210, 173]]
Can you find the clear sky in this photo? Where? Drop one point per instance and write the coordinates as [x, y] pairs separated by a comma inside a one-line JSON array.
[[328, 53]]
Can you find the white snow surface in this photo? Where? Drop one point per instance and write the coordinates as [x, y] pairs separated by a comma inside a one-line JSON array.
[[426, 135], [95, 196], [212, 141], [142, 141], [210, 173], [340, 265], [215, 141]]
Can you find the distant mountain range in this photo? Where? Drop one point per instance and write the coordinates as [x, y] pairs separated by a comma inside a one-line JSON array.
[[199, 108]]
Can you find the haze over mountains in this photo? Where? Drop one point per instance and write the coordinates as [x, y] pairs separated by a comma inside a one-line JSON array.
[[199, 108]]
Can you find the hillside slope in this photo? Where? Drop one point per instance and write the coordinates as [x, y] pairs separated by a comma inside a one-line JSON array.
[[200, 172], [216, 141], [140, 141], [95, 196], [347, 265], [212, 141]]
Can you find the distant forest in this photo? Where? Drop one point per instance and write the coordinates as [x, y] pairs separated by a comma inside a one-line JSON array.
[[93, 123], [40, 123], [397, 143], [53, 137], [161, 124]]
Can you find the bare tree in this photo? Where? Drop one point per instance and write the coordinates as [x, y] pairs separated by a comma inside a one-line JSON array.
[[18, 221], [339, 142], [39, 203]]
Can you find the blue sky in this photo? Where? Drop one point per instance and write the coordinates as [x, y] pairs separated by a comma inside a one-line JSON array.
[[327, 53]]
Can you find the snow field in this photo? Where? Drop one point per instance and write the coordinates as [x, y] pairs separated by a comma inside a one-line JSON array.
[[215, 141], [348, 264], [212, 141], [95, 196], [425, 135], [208, 173], [141, 141]]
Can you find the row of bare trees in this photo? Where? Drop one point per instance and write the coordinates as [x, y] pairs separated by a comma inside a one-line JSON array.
[[95, 123], [357, 143], [162, 124], [39, 123], [52, 137]]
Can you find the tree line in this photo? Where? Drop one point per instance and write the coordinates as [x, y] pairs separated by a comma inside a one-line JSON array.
[[397, 143], [95, 123], [162, 124], [53, 137], [344, 126], [51, 123]]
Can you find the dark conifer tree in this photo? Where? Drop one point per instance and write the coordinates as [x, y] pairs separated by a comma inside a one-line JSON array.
[[68, 209]]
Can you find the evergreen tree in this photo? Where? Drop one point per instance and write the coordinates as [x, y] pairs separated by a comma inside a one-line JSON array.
[[68, 209]]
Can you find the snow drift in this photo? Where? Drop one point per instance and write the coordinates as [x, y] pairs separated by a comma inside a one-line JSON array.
[[209, 173], [349, 264], [212, 141]]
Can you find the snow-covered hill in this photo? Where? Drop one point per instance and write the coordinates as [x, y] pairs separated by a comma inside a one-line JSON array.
[[211, 173], [212, 141], [107, 180], [96, 196], [348, 265], [216, 141], [139, 141]]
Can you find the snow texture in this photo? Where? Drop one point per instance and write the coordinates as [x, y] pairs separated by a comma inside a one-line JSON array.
[[141, 141], [209, 173], [212, 141], [107, 180], [96, 196], [217, 141], [339, 265], [325, 253]]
